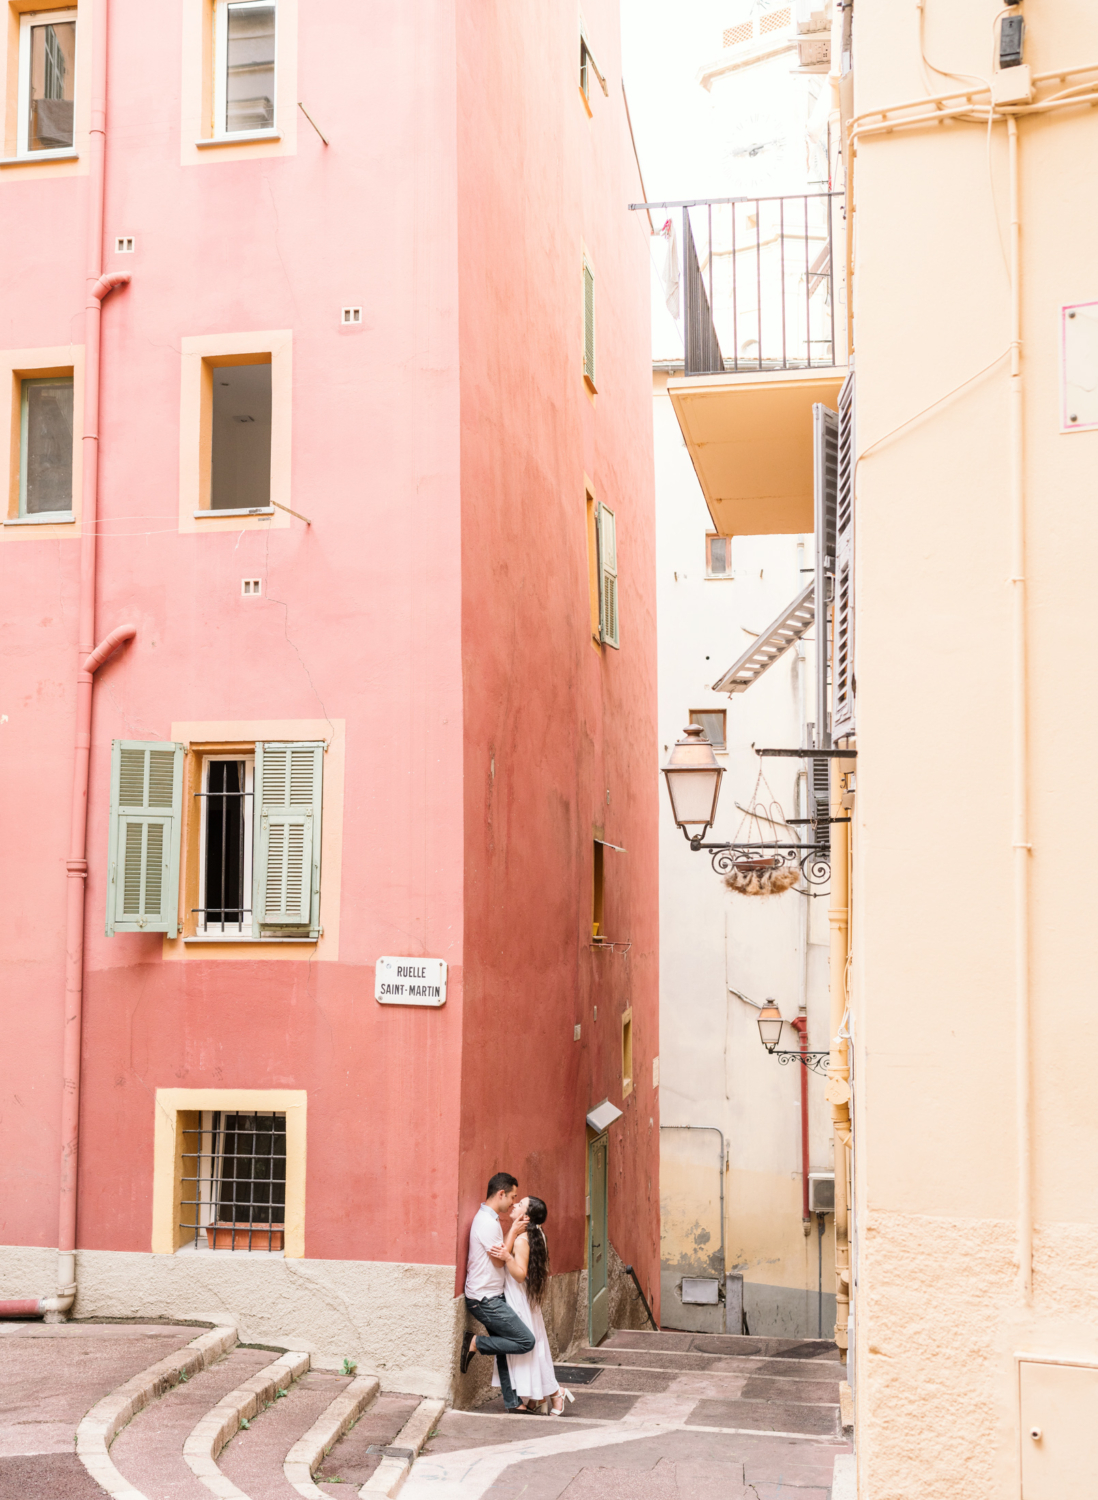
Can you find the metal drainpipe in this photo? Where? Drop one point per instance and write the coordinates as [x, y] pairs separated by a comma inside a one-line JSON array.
[[838, 1073], [800, 1026], [90, 657]]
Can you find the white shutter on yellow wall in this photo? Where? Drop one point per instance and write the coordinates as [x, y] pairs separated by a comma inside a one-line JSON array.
[[608, 577], [143, 856], [286, 879]]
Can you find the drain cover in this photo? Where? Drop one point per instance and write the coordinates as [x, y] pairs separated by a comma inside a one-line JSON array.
[[577, 1374]]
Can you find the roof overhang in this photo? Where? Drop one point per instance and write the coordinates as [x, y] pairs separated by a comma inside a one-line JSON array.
[[750, 441]]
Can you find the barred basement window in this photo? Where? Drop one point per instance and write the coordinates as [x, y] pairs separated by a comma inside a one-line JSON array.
[[233, 1180]]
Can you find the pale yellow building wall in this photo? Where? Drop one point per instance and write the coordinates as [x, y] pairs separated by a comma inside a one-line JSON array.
[[939, 1316]]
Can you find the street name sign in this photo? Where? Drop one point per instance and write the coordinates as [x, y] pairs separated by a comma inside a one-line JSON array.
[[410, 981]]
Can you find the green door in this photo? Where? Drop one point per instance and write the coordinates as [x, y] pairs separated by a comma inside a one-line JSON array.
[[597, 1294]]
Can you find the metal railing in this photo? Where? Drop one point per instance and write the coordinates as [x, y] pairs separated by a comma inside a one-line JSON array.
[[762, 277]]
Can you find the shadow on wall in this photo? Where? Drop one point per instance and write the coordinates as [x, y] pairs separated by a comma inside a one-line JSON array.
[[565, 1313]]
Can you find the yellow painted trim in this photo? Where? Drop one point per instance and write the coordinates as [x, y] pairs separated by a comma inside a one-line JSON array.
[[228, 734], [17, 365], [170, 1103], [9, 93], [200, 355], [196, 118]]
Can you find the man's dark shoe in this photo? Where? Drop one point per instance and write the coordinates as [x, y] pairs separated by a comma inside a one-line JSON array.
[[467, 1353]]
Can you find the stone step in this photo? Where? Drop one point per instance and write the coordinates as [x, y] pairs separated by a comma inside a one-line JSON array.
[[254, 1458], [356, 1457], [149, 1452]]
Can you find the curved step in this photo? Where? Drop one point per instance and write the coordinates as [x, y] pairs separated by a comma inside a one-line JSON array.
[[149, 1452], [101, 1425], [307, 1454], [220, 1426]]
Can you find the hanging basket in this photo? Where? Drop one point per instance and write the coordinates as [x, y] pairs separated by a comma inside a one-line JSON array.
[[761, 877]]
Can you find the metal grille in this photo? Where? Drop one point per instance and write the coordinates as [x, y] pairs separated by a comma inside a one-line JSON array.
[[223, 846], [234, 1181], [732, 36]]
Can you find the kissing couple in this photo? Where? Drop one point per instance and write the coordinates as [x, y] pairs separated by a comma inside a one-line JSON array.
[[507, 1277]]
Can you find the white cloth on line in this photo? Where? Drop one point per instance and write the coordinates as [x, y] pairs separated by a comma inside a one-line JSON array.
[[483, 1277], [671, 277], [532, 1374]]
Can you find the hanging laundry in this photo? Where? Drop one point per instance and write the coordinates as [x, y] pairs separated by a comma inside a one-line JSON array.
[[670, 268]]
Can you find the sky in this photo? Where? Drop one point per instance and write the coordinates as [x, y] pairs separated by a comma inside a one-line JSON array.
[[664, 44]]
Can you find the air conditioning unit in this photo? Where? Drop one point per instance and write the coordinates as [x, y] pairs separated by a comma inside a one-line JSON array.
[[821, 1192]]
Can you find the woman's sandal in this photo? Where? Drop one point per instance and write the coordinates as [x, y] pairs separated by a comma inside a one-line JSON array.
[[565, 1395]]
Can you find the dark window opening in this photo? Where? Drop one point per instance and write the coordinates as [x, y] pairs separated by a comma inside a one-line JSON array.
[[240, 477], [226, 898]]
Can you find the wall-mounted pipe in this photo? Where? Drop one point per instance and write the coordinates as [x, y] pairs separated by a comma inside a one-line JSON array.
[[800, 1026], [90, 657]]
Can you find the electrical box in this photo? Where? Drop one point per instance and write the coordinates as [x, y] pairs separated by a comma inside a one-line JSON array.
[[1079, 362], [1011, 33], [1057, 1403], [821, 1192], [701, 1291]]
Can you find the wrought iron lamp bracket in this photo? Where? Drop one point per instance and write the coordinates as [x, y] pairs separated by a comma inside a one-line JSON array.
[[814, 859], [817, 1062]]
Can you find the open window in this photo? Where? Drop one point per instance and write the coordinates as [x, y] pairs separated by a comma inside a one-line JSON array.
[[47, 84], [240, 436], [608, 577], [588, 323], [45, 447], [627, 1053], [245, 36]]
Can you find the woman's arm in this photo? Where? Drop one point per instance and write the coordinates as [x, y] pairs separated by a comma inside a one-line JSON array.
[[518, 1260]]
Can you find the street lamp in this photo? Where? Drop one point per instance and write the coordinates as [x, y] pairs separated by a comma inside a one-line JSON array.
[[770, 1025], [693, 783]]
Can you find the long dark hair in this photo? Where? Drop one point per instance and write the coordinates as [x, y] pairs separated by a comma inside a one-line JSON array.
[[537, 1271]]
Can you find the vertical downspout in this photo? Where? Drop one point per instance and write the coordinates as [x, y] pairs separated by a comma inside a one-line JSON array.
[[800, 1026], [98, 287], [1020, 829], [838, 1073]]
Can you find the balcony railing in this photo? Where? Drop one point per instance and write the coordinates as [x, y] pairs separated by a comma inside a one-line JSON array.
[[762, 277]]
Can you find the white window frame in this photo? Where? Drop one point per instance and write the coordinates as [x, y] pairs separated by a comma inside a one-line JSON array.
[[22, 136], [221, 75], [241, 931]]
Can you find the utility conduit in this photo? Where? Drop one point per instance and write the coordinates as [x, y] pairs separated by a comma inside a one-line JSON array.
[[90, 657]]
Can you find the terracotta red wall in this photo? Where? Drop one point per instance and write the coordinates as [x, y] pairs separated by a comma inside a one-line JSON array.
[[560, 737]]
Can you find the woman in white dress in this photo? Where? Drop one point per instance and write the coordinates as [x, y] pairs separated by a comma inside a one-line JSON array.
[[527, 1265]]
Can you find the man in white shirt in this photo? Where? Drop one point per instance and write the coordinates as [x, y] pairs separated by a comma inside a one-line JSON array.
[[484, 1282]]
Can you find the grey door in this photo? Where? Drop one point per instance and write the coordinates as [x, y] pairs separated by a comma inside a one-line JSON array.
[[597, 1293]]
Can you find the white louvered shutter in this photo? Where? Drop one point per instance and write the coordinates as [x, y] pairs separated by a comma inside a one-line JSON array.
[[143, 856], [286, 881], [842, 665], [588, 322], [608, 576]]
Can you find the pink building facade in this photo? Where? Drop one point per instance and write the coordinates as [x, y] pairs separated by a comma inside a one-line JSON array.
[[373, 489]]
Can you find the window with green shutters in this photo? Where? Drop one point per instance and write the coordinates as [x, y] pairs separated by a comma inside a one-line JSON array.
[[588, 321], [608, 576], [286, 867], [143, 858]]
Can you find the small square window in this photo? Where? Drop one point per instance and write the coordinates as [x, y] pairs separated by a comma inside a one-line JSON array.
[[232, 1180], [45, 446], [351, 316], [47, 78], [718, 556], [244, 67], [250, 586], [123, 244], [712, 720]]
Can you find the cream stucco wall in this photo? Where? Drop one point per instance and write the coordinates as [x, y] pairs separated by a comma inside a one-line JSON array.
[[939, 1311], [713, 1069]]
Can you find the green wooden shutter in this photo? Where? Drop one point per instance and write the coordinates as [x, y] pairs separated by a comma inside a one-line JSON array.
[[146, 816], [608, 577], [286, 878], [588, 322]]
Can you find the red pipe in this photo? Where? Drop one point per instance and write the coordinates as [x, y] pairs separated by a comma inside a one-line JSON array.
[[800, 1026], [90, 657]]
